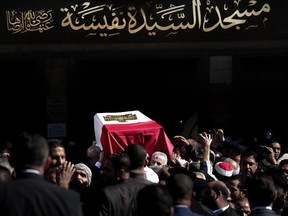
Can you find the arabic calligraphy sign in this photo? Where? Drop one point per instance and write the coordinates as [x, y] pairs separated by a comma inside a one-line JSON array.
[[72, 21]]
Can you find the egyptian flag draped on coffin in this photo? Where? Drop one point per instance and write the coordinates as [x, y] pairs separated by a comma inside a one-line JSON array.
[[115, 130]]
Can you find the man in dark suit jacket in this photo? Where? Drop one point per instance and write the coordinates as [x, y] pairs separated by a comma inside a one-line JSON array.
[[261, 192], [29, 193], [180, 186], [123, 174], [216, 198]]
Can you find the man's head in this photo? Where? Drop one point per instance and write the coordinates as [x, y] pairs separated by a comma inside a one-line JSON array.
[[216, 195], [93, 155], [137, 154], [116, 168], [81, 177], [261, 190], [83, 173], [249, 163], [30, 150], [158, 158], [57, 153]]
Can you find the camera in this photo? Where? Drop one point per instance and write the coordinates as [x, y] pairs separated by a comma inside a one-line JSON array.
[[263, 152], [211, 132]]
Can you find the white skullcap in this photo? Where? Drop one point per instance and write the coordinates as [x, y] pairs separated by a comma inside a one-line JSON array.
[[224, 168], [86, 169]]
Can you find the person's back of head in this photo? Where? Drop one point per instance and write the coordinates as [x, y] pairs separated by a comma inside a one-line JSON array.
[[116, 167], [30, 150], [216, 195], [221, 187], [180, 186], [154, 200], [260, 190], [200, 183], [137, 154], [120, 160]]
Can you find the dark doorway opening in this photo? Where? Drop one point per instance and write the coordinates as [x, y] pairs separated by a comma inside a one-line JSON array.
[[23, 96], [165, 90]]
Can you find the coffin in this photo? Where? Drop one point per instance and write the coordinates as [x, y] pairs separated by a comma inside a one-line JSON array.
[[115, 130]]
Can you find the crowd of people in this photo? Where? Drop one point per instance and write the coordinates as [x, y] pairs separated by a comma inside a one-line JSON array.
[[208, 175]]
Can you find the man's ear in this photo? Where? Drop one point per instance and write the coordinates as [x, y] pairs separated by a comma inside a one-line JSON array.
[[47, 163], [275, 195], [218, 193], [120, 174], [146, 162], [243, 192]]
